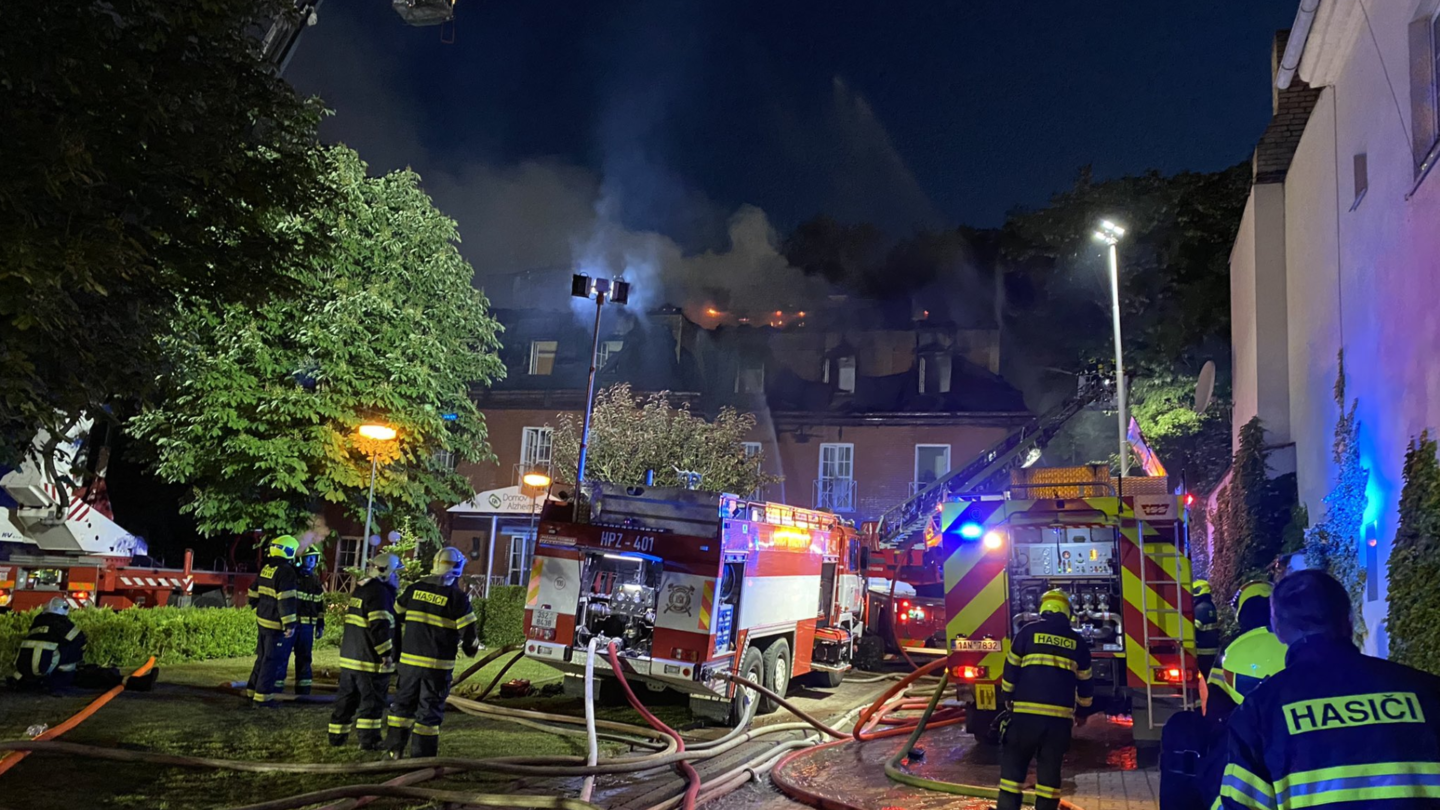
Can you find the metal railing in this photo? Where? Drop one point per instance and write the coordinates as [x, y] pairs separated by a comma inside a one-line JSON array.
[[835, 494]]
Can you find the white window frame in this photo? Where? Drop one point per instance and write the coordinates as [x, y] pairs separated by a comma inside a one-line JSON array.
[[537, 352], [445, 459], [754, 450], [347, 553], [606, 350], [522, 551], [845, 372], [537, 447], [918, 447], [847, 462]]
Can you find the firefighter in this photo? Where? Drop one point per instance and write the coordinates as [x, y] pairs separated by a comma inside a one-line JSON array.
[[367, 655], [435, 619], [275, 601], [310, 605], [1207, 627], [51, 651], [1253, 656], [1336, 727], [1047, 674]]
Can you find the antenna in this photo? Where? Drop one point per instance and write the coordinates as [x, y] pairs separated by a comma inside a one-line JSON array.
[[1205, 386]]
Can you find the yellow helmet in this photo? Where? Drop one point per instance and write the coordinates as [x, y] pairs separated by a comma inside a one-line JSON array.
[[1200, 587], [1250, 590], [449, 563], [284, 546], [1055, 601]]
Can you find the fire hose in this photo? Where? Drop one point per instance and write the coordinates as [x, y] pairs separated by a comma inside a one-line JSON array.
[[12, 759]]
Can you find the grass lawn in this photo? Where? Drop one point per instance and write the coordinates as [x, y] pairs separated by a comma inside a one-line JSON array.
[[186, 714]]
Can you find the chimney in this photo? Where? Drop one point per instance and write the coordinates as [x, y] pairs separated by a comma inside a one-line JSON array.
[[1291, 109]]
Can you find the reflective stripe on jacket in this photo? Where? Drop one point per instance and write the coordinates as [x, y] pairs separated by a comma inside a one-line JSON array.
[[369, 627], [275, 597], [435, 621], [1047, 671]]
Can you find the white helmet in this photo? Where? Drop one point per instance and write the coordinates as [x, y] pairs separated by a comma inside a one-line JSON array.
[[449, 564], [58, 606], [384, 567]]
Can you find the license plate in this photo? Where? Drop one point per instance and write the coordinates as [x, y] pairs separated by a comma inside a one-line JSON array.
[[985, 696], [544, 619], [977, 645]]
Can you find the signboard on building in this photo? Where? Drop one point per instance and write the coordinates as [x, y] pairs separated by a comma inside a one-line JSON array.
[[502, 501]]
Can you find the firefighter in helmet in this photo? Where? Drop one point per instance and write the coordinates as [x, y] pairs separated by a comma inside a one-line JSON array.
[[1253, 656], [51, 651], [275, 601], [310, 606], [367, 655], [435, 620], [1047, 675], [1207, 627]]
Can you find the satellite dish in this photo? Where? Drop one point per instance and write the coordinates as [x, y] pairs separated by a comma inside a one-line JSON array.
[[1205, 386]]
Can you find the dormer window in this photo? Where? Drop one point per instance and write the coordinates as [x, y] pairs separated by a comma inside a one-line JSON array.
[[840, 371], [750, 379], [935, 373]]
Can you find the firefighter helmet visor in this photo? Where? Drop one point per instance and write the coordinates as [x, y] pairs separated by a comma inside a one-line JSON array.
[[284, 546], [449, 563], [1055, 601]]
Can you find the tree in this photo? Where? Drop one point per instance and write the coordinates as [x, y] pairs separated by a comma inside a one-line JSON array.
[[149, 151], [632, 434], [262, 402], [1334, 543], [1414, 565], [1195, 445]]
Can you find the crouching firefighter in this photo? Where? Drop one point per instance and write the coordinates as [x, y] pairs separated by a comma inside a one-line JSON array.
[[310, 608], [435, 620], [276, 616], [51, 650], [1047, 675], [367, 655]]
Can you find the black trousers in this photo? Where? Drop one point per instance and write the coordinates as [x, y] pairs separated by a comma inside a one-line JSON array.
[[360, 704], [304, 656], [272, 656], [1033, 737], [419, 707]]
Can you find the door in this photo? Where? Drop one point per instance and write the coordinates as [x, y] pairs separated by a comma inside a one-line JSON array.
[[522, 551]]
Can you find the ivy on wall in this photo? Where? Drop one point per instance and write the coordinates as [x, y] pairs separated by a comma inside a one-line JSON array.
[[1333, 544], [1414, 565]]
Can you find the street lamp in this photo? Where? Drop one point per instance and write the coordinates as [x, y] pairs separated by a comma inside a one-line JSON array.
[[602, 290], [1110, 234], [375, 435]]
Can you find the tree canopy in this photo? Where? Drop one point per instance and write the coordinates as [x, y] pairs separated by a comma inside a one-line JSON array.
[[384, 325], [631, 434], [149, 151]]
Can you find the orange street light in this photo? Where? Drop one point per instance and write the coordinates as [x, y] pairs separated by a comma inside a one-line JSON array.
[[538, 480], [377, 432]]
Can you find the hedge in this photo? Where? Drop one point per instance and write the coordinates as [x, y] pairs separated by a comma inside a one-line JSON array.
[[125, 637]]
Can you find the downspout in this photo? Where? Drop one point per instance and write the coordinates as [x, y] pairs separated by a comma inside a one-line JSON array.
[[1295, 47]]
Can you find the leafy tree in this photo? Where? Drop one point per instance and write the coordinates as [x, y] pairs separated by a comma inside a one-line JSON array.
[[149, 151], [1334, 543], [631, 434], [1414, 565], [1195, 445], [263, 401], [1250, 517]]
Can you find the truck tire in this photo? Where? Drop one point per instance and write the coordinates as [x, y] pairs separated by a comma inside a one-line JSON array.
[[870, 653], [752, 668], [777, 674]]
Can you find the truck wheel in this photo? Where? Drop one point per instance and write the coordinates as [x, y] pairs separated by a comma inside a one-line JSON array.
[[752, 668], [870, 653], [777, 674]]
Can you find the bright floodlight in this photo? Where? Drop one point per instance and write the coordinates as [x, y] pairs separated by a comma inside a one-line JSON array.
[[993, 540], [379, 433], [1109, 232]]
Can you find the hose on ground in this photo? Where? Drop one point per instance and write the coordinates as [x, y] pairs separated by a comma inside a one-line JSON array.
[[493, 681], [479, 665], [452, 797], [13, 758], [403, 780], [692, 777]]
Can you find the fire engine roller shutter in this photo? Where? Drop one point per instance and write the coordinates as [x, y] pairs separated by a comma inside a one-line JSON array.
[[1173, 583], [554, 581]]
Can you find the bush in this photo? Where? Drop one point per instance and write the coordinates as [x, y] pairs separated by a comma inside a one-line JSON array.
[[502, 615], [126, 637], [1414, 564]]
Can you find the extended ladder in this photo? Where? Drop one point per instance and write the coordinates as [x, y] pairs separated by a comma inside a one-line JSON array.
[[1156, 613]]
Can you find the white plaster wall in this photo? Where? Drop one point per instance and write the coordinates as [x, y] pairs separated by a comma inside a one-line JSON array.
[[1242, 322]]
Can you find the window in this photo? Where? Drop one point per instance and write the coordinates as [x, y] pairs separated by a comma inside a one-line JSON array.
[[931, 462], [607, 349], [520, 555], [347, 553], [445, 459], [1425, 91], [542, 357], [844, 377], [935, 373], [751, 378], [753, 450], [835, 487], [535, 447], [1362, 179]]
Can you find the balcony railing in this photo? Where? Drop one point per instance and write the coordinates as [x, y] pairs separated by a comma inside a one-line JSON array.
[[835, 494]]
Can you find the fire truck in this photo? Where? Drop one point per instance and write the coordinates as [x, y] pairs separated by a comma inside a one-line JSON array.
[[691, 585], [1117, 547], [60, 539]]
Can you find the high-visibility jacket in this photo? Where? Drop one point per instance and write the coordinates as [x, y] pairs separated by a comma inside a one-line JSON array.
[[310, 601], [369, 628], [274, 595], [1047, 671], [1336, 729], [1207, 626], [435, 620], [53, 643], [1249, 659]]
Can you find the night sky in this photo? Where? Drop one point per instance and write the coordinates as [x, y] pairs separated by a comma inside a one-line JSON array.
[[654, 123]]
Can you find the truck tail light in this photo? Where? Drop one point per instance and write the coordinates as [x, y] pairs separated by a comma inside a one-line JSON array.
[[684, 655], [79, 595], [4, 598], [970, 673], [1169, 674]]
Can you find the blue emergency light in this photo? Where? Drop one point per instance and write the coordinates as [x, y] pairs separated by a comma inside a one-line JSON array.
[[970, 530]]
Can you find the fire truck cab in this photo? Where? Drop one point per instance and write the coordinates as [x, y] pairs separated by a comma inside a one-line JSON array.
[[690, 585], [1122, 558]]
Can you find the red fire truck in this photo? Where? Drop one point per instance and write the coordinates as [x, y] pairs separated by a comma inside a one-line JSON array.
[[690, 585]]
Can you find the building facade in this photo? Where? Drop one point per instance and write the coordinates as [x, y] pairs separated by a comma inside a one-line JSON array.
[[1339, 250]]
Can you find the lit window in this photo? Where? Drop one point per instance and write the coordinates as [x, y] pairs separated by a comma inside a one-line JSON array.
[[845, 379], [542, 357]]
